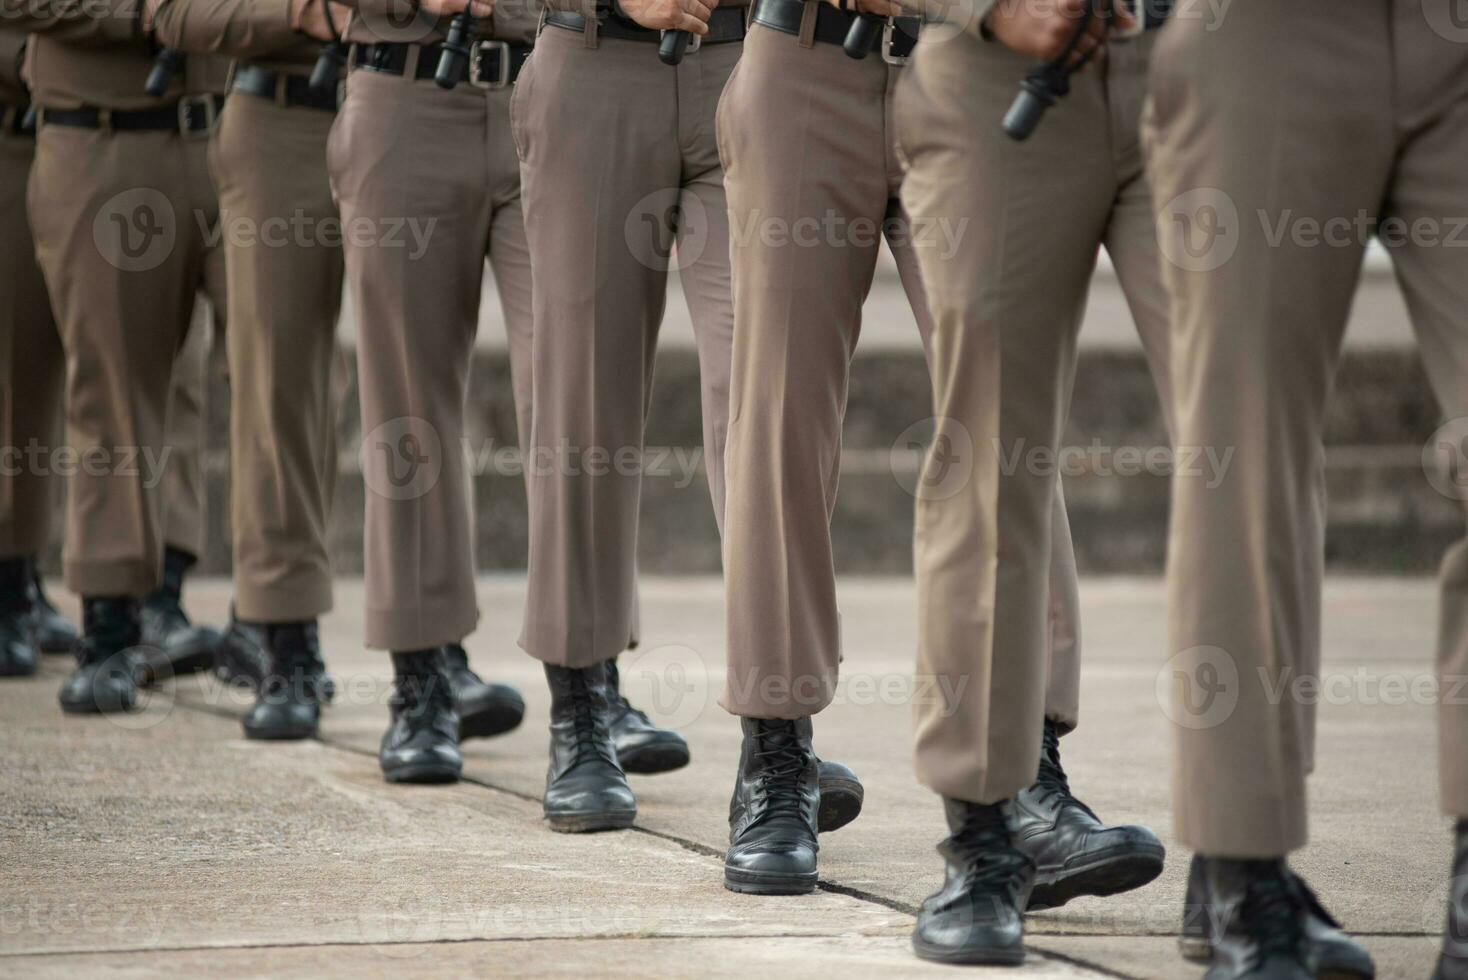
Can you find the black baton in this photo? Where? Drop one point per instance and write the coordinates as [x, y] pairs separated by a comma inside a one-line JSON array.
[[1049, 82], [861, 37], [166, 65], [455, 58], [673, 46]]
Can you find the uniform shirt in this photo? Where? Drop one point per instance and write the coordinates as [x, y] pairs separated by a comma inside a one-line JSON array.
[[94, 53], [258, 31], [399, 20], [12, 89]]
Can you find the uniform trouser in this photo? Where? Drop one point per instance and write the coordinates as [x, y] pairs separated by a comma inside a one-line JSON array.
[[1264, 223], [1007, 305], [620, 160], [31, 365], [123, 227], [284, 263], [810, 188], [428, 186]]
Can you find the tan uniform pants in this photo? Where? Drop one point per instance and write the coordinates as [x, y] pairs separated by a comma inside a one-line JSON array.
[[31, 365], [824, 160], [609, 187], [284, 261], [1275, 145], [123, 226], [1007, 305], [401, 151]]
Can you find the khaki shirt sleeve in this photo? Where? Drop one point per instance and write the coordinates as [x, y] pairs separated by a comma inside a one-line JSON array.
[[236, 28], [94, 23]]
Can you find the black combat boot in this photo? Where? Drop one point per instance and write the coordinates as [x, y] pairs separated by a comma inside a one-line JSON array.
[[54, 632], [772, 814], [642, 747], [1452, 964], [585, 788], [1074, 852], [173, 645], [421, 745], [106, 677], [18, 649], [289, 706], [485, 709], [977, 916], [1339, 956], [1257, 915]]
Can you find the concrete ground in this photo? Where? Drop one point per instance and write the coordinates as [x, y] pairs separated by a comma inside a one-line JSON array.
[[163, 843]]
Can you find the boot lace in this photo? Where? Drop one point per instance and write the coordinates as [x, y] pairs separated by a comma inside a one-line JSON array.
[[1271, 913], [992, 865], [294, 665], [592, 741], [1052, 782], [781, 761]]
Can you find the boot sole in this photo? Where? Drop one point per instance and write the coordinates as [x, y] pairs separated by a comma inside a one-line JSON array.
[[590, 823], [1201, 951], [841, 801], [969, 956], [653, 759], [427, 775], [196, 661], [1106, 875], [7, 670], [757, 883], [91, 707]]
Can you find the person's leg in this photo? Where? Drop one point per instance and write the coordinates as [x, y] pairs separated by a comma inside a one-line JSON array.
[[1258, 310], [31, 362], [269, 163], [1422, 227], [807, 191], [416, 318], [123, 314]]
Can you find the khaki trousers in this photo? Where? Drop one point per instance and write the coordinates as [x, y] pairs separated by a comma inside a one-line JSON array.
[[31, 363], [407, 155], [284, 262], [123, 227], [1007, 306], [609, 188], [1291, 115], [825, 160]]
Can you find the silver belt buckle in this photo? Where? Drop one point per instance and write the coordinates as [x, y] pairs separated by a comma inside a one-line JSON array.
[[889, 31], [476, 65], [185, 113], [1138, 11]]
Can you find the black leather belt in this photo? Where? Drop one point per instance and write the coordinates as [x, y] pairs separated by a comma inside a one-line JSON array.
[[17, 120], [492, 64], [725, 26], [282, 88], [896, 40], [193, 115]]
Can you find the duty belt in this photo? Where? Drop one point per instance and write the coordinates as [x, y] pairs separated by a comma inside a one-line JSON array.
[[283, 88], [726, 26], [17, 120], [192, 116], [492, 64], [898, 38]]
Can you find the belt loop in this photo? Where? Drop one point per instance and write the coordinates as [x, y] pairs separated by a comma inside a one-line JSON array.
[[808, 23], [104, 121], [410, 63], [282, 89], [590, 35]]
